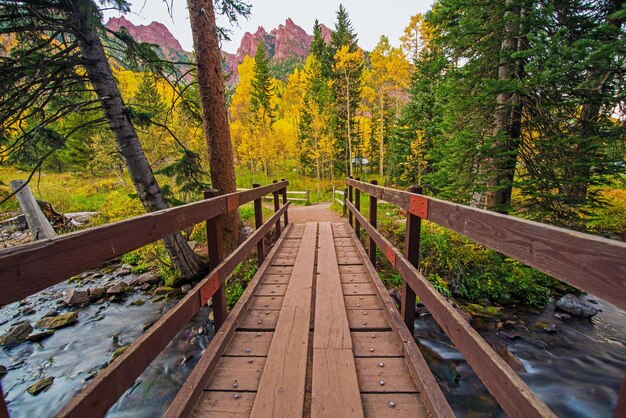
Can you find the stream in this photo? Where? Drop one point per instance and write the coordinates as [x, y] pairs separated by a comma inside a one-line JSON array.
[[577, 371]]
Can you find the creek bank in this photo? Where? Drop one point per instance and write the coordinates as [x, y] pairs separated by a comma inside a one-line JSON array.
[[66, 334]]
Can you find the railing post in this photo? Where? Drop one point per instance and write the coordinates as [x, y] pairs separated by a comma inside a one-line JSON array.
[[345, 196], [373, 221], [357, 205], [276, 209], [412, 253], [216, 255], [350, 200], [258, 221], [620, 411], [308, 201], [284, 192], [334, 190]]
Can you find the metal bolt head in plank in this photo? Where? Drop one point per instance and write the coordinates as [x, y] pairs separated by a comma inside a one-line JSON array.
[[382, 383], [248, 350], [364, 322], [250, 360], [373, 335], [236, 384], [381, 364], [372, 349], [392, 404], [236, 396]]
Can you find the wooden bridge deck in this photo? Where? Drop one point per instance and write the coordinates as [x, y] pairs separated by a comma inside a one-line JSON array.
[[315, 334]]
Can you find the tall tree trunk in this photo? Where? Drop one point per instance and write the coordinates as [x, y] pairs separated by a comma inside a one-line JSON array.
[[214, 110], [381, 162], [348, 121], [507, 126], [99, 72], [589, 114]]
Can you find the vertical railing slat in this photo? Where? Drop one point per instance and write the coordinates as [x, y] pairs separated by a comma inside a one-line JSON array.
[[373, 221], [216, 254], [276, 209], [357, 205], [412, 253], [284, 193], [258, 221]]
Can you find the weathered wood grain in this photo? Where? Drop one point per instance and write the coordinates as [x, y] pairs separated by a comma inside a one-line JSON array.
[[281, 391], [335, 388]]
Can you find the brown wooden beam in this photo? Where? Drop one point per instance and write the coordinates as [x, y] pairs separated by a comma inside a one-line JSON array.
[[591, 263]]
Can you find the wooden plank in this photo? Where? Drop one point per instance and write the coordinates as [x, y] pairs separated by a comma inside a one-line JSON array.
[[268, 303], [281, 392], [246, 344], [355, 278], [591, 263], [254, 319], [271, 290], [504, 384], [376, 344], [367, 319], [224, 404], [384, 375], [392, 405], [335, 390], [331, 320], [236, 374], [359, 289], [352, 270], [430, 392], [280, 269], [363, 302], [191, 390], [275, 279]]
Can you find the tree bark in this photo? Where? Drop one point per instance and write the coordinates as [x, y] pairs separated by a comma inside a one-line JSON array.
[[507, 125], [348, 121], [101, 77], [214, 110], [381, 162]]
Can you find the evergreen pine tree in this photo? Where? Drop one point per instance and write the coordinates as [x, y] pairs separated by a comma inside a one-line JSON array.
[[262, 84]]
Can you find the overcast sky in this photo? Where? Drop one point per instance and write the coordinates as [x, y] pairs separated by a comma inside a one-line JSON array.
[[370, 18]]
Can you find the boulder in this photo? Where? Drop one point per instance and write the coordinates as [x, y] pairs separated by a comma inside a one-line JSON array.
[[40, 386], [148, 277], [56, 322], [576, 306], [16, 335], [97, 292], [3, 370], [123, 271], [163, 290], [40, 336], [185, 288], [479, 311], [76, 297], [117, 289]]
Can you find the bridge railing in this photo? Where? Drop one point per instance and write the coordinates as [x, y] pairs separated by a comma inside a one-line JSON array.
[[590, 263], [29, 268]]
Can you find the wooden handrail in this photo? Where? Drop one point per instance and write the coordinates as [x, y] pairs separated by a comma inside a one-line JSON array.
[[593, 264], [112, 382], [21, 267], [500, 379]]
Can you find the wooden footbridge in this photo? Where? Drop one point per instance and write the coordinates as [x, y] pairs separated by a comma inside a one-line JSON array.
[[315, 333]]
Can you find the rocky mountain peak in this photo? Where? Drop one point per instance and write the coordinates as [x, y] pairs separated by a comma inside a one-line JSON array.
[[154, 33]]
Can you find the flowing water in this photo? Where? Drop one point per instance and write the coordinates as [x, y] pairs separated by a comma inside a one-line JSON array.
[[576, 371], [73, 355]]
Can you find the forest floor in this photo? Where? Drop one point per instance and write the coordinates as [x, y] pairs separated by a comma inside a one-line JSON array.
[[319, 212]]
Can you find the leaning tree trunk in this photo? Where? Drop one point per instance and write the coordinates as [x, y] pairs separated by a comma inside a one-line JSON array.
[[101, 77], [214, 110]]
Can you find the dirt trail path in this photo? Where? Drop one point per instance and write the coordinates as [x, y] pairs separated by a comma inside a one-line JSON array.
[[319, 212]]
